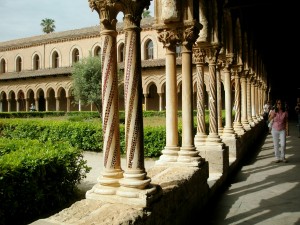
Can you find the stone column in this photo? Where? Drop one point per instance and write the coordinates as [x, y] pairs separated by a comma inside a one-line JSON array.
[[68, 104], [219, 98], [27, 104], [146, 103], [188, 153], [135, 183], [237, 125], [9, 104], [228, 129], [244, 116], [170, 152], [249, 100], [36, 104], [212, 55], [47, 103], [108, 181], [200, 137], [18, 105], [228, 136], [214, 151], [79, 104], [253, 98], [57, 103], [161, 108]]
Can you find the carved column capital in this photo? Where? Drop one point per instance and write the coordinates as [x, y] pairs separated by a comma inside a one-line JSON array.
[[190, 35], [168, 37], [212, 53], [199, 55], [107, 13]]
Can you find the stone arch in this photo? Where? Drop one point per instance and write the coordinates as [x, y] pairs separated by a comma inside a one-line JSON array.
[[36, 60], [96, 50], [62, 99], [55, 58], [152, 97], [40, 99], [50, 99], [121, 51], [3, 65], [75, 54], [3, 102], [21, 100], [148, 48], [18, 63], [12, 101]]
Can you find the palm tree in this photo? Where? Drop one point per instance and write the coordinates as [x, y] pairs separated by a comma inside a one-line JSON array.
[[48, 25]]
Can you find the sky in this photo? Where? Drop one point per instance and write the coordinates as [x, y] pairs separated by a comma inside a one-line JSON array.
[[22, 18]]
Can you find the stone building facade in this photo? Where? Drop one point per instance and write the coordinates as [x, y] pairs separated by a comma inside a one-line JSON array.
[[38, 69]]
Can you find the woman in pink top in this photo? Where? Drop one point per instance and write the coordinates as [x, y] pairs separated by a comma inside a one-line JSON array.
[[280, 118]]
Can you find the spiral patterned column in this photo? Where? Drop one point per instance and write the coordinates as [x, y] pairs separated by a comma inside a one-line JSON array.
[[213, 136], [249, 104], [237, 126], [200, 137]]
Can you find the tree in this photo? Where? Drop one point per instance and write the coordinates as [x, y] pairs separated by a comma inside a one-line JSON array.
[[146, 14], [86, 77], [48, 25]]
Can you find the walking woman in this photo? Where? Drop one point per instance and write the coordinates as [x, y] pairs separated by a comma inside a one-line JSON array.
[[280, 119]]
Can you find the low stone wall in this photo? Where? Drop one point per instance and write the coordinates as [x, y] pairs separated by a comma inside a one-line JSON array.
[[182, 191]]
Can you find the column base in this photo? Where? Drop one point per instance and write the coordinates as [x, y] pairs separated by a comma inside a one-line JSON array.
[[125, 195]]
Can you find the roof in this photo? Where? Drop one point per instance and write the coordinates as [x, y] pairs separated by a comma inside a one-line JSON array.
[[69, 35]]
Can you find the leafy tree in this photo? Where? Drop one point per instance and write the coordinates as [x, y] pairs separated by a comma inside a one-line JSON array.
[[86, 77], [146, 14], [48, 25]]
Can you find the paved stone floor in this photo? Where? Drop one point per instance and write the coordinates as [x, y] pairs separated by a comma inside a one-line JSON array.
[[262, 192]]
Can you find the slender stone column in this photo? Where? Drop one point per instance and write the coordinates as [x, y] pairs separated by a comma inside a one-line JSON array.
[[27, 104], [219, 98], [200, 137], [57, 103], [237, 125], [249, 101], [18, 105], [244, 119], [214, 151], [9, 104], [228, 129], [68, 104], [108, 181], [188, 153], [146, 102], [47, 104], [213, 136], [253, 105], [170, 152], [37, 104], [160, 101], [135, 178]]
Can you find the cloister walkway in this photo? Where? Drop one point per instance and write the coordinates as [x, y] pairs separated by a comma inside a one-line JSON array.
[[262, 192]]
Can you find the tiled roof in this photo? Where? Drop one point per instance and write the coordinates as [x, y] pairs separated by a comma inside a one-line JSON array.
[[36, 73], [86, 32], [68, 70]]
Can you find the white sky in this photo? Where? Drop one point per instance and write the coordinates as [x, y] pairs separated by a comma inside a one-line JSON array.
[[22, 18]]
